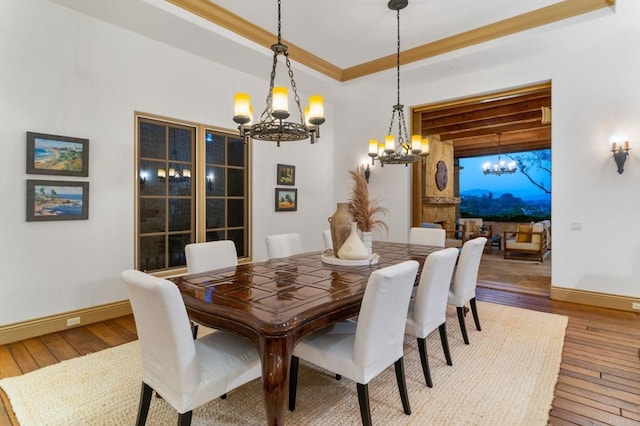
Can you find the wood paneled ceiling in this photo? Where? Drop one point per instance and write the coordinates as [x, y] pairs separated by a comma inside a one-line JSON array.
[[472, 125]]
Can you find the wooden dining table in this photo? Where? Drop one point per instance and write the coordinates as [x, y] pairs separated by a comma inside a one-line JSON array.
[[276, 303]]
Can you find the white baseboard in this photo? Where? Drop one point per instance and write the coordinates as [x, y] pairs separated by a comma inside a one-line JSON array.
[[54, 323]]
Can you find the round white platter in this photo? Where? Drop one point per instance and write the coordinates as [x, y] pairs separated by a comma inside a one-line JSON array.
[[329, 258]]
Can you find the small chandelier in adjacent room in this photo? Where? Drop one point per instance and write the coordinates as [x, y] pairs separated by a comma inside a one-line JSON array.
[[272, 125], [406, 150], [500, 167]]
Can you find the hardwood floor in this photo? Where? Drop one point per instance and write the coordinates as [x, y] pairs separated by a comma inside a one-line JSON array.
[[512, 275], [598, 384]]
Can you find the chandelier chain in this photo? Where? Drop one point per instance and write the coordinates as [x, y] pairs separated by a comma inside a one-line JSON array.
[[293, 86], [279, 23], [266, 114], [398, 55]]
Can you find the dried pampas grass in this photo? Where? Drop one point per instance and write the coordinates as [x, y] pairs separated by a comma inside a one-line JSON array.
[[363, 209]]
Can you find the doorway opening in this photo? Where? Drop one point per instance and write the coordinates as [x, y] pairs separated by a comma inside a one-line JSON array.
[[464, 129]]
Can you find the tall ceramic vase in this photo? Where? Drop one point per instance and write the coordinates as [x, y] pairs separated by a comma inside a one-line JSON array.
[[340, 226], [353, 248], [367, 239]]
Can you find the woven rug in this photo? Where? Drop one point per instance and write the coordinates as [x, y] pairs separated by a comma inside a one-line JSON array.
[[505, 376]]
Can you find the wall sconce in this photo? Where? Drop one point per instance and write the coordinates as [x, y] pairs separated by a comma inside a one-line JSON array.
[[366, 171], [210, 182], [620, 154], [177, 173]]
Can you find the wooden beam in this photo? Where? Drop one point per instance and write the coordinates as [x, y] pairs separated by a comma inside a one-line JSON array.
[[526, 21], [484, 112], [208, 10], [507, 128], [488, 122], [534, 100]]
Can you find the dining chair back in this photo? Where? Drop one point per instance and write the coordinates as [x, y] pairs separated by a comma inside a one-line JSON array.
[[326, 237], [427, 236], [283, 245], [465, 279], [429, 307], [210, 255], [361, 350], [185, 372]]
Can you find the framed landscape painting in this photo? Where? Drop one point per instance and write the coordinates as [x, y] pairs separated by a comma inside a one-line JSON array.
[[286, 174], [286, 200], [57, 200], [57, 155]]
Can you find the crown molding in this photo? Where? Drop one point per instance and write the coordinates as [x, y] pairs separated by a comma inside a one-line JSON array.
[[225, 19], [506, 27], [208, 10]]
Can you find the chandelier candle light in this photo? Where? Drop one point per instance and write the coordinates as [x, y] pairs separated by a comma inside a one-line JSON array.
[[500, 167], [406, 150], [272, 125]]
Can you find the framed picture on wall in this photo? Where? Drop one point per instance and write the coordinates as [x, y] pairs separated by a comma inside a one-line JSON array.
[[57, 200], [286, 174], [286, 200], [57, 155]]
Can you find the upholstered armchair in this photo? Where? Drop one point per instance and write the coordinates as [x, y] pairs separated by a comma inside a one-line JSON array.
[[474, 227], [533, 239]]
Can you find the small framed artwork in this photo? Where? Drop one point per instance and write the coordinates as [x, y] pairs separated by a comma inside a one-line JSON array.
[[57, 155], [286, 174], [286, 200], [57, 200]]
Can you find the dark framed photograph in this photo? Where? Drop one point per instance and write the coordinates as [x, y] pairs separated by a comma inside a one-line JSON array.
[[286, 200], [286, 174], [57, 200], [57, 155]]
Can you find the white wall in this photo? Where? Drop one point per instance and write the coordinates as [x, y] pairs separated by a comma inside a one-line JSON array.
[[592, 63], [67, 74]]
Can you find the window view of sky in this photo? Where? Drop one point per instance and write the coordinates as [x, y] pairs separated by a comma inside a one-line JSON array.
[[474, 182]]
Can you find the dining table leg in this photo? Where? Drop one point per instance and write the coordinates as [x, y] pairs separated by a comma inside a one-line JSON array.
[[275, 353]]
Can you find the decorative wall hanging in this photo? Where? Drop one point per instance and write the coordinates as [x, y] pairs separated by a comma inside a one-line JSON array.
[[57, 155], [442, 175], [57, 200], [286, 174], [286, 200]]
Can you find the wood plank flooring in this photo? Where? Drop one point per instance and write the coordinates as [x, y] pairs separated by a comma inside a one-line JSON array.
[[599, 381], [515, 275]]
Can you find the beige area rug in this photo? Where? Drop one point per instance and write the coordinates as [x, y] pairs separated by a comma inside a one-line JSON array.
[[505, 376]]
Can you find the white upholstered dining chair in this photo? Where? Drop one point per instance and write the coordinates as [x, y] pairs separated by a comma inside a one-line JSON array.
[[362, 350], [428, 308], [283, 245], [210, 255], [187, 373], [427, 236], [326, 238], [207, 256], [465, 278]]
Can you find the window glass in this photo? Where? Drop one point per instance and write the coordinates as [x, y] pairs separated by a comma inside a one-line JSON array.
[[236, 183], [168, 191], [215, 181], [152, 140]]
